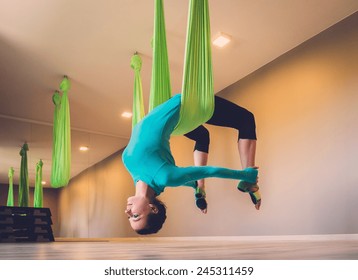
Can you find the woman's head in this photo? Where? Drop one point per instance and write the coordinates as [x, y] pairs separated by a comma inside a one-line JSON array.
[[145, 217]]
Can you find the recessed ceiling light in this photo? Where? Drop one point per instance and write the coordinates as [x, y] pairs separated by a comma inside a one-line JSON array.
[[127, 115], [84, 148], [222, 40]]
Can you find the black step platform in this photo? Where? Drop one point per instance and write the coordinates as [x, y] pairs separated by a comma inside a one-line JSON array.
[[25, 224]]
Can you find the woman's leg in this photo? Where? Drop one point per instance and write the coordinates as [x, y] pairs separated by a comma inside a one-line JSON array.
[[247, 151], [228, 114], [200, 159], [202, 140]]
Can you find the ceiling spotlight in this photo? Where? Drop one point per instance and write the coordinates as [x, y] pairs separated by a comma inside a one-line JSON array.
[[222, 40], [84, 148], [127, 115]]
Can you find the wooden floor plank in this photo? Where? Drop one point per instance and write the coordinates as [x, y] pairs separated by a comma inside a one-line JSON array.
[[195, 248]]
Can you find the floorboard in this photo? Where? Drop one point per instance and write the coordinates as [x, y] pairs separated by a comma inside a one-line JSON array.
[[326, 247]]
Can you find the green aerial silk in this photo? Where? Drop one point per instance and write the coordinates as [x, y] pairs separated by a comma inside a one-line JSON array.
[[38, 194], [197, 89], [197, 101], [10, 195], [160, 90], [138, 104], [61, 148], [24, 178]]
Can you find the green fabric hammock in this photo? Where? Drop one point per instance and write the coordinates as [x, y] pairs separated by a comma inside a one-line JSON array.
[[197, 89], [10, 194], [138, 104], [38, 193], [61, 148], [160, 88], [24, 178]]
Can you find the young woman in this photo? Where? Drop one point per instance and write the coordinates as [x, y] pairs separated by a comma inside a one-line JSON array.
[[150, 162]]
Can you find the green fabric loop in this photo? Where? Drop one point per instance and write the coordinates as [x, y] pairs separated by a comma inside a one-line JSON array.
[[197, 104], [10, 195], [24, 178], [65, 84], [160, 90], [61, 147], [56, 98], [11, 172], [24, 149], [136, 62], [138, 103], [38, 193]]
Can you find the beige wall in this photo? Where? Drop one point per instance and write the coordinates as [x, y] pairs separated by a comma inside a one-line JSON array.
[[93, 204], [305, 104]]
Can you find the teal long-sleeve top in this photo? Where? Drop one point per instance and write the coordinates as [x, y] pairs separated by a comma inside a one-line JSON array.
[[148, 158]]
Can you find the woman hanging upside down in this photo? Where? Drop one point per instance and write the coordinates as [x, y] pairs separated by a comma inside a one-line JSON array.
[[150, 162]]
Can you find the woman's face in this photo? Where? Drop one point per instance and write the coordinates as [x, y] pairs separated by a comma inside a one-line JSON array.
[[138, 209]]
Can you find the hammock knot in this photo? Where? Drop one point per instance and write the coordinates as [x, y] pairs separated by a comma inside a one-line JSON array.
[[56, 98], [136, 62], [24, 149], [11, 172], [65, 84]]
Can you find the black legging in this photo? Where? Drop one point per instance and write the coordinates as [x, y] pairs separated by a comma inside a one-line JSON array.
[[226, 114]]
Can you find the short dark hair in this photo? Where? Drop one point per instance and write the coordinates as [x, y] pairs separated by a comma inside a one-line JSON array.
[[155, 220]]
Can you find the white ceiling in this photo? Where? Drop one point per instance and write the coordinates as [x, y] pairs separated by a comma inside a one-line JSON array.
[[92, 42]]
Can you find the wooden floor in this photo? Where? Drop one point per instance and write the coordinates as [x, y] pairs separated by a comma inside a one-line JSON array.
[[327, 247]]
